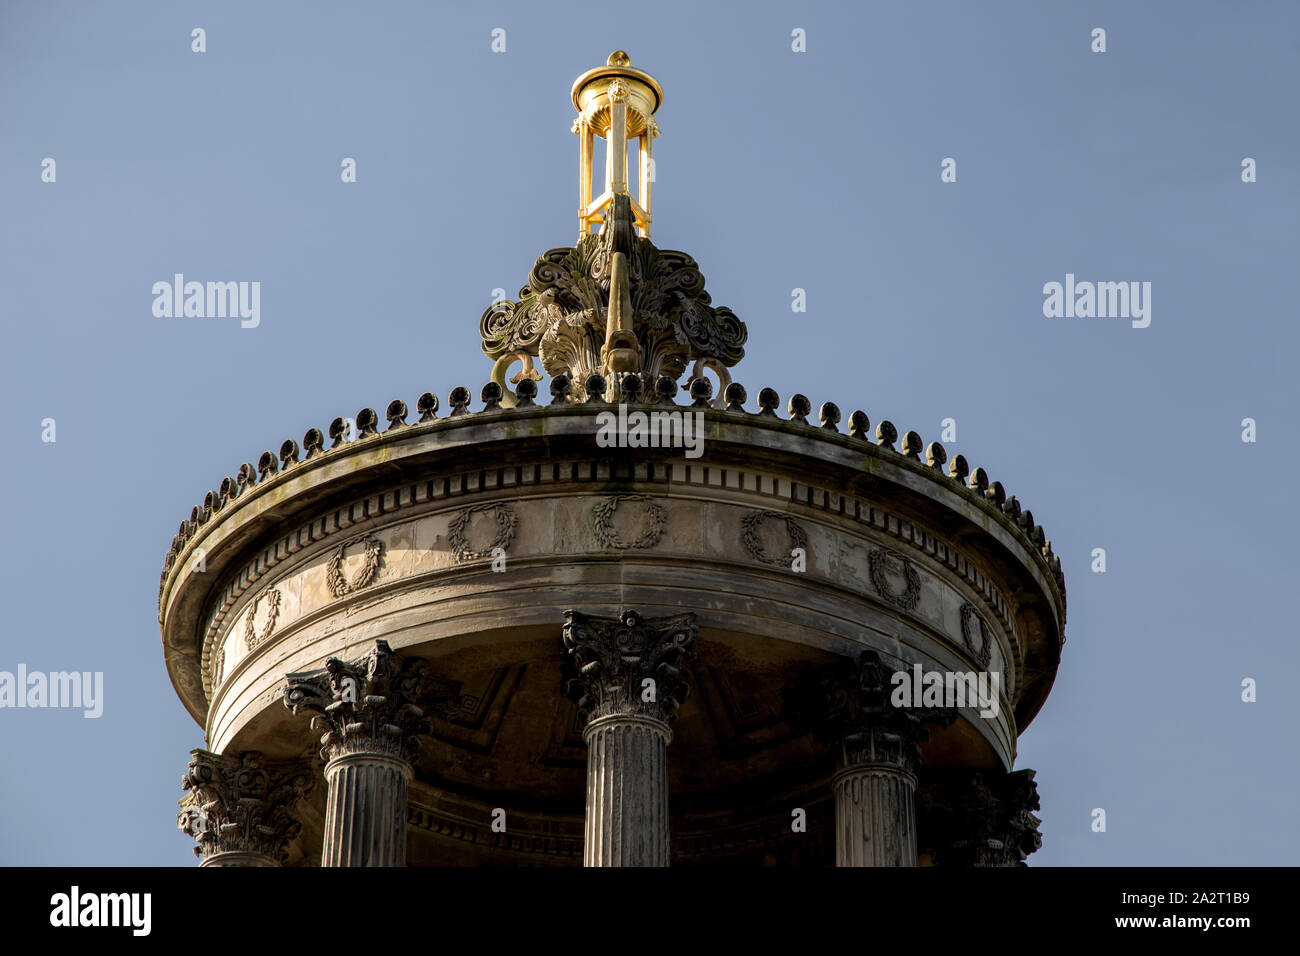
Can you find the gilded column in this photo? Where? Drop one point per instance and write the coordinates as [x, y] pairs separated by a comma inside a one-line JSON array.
[[626, 675], [241, 809], [372, 711]]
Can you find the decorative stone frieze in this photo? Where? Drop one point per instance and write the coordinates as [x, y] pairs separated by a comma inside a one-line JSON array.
[[975, 634], [884, 560], [751, 534], [251, 637], [457, 536], [653, 523], [338, 584]]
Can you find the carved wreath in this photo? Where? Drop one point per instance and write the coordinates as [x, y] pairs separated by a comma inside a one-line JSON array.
[[985, 650], [506, 521], [754, 520], [602, 517], [877, 561], [251, 637], [338, 584]]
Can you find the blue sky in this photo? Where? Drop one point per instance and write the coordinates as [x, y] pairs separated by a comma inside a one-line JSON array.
[[776, 170]]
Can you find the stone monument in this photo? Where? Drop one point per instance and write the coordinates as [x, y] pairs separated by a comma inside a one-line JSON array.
[[633, 624]]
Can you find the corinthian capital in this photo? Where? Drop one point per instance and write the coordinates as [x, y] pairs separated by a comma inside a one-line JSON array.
[[242, 804], [849, 706], [979, 818], [628, 665], [376, 704]]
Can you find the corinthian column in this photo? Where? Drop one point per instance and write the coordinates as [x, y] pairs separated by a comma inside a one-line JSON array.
[[240, 809], [371, 711], [625, 674], [877, 753]]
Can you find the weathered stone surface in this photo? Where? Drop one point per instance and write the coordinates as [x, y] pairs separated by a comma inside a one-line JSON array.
[[242, 809], [371, 711], [877, 750], [627, 676], [374, 705], [979, 818]]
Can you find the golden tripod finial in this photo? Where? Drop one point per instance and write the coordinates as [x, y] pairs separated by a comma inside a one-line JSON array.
[[616, 103]]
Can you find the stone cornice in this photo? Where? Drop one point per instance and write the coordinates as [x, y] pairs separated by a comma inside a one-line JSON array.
[[271, 472]]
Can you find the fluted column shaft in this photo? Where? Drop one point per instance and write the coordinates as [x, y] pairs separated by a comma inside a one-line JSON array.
[[878, 753], [365, 812], [875, 816], [627, 792], [372, 711], [627, 675]]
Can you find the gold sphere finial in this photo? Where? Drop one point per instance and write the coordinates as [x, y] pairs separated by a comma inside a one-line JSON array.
[[618, 58]]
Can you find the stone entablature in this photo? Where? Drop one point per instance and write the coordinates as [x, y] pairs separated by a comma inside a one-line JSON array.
[[734, 442], [954, 600]]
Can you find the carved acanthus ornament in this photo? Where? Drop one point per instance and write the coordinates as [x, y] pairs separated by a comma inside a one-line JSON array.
[[242, 804], [628, 665], [979, 818], [377, 704], [657, 300]]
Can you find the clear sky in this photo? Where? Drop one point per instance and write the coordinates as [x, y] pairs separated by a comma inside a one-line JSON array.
[[777, 170]]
